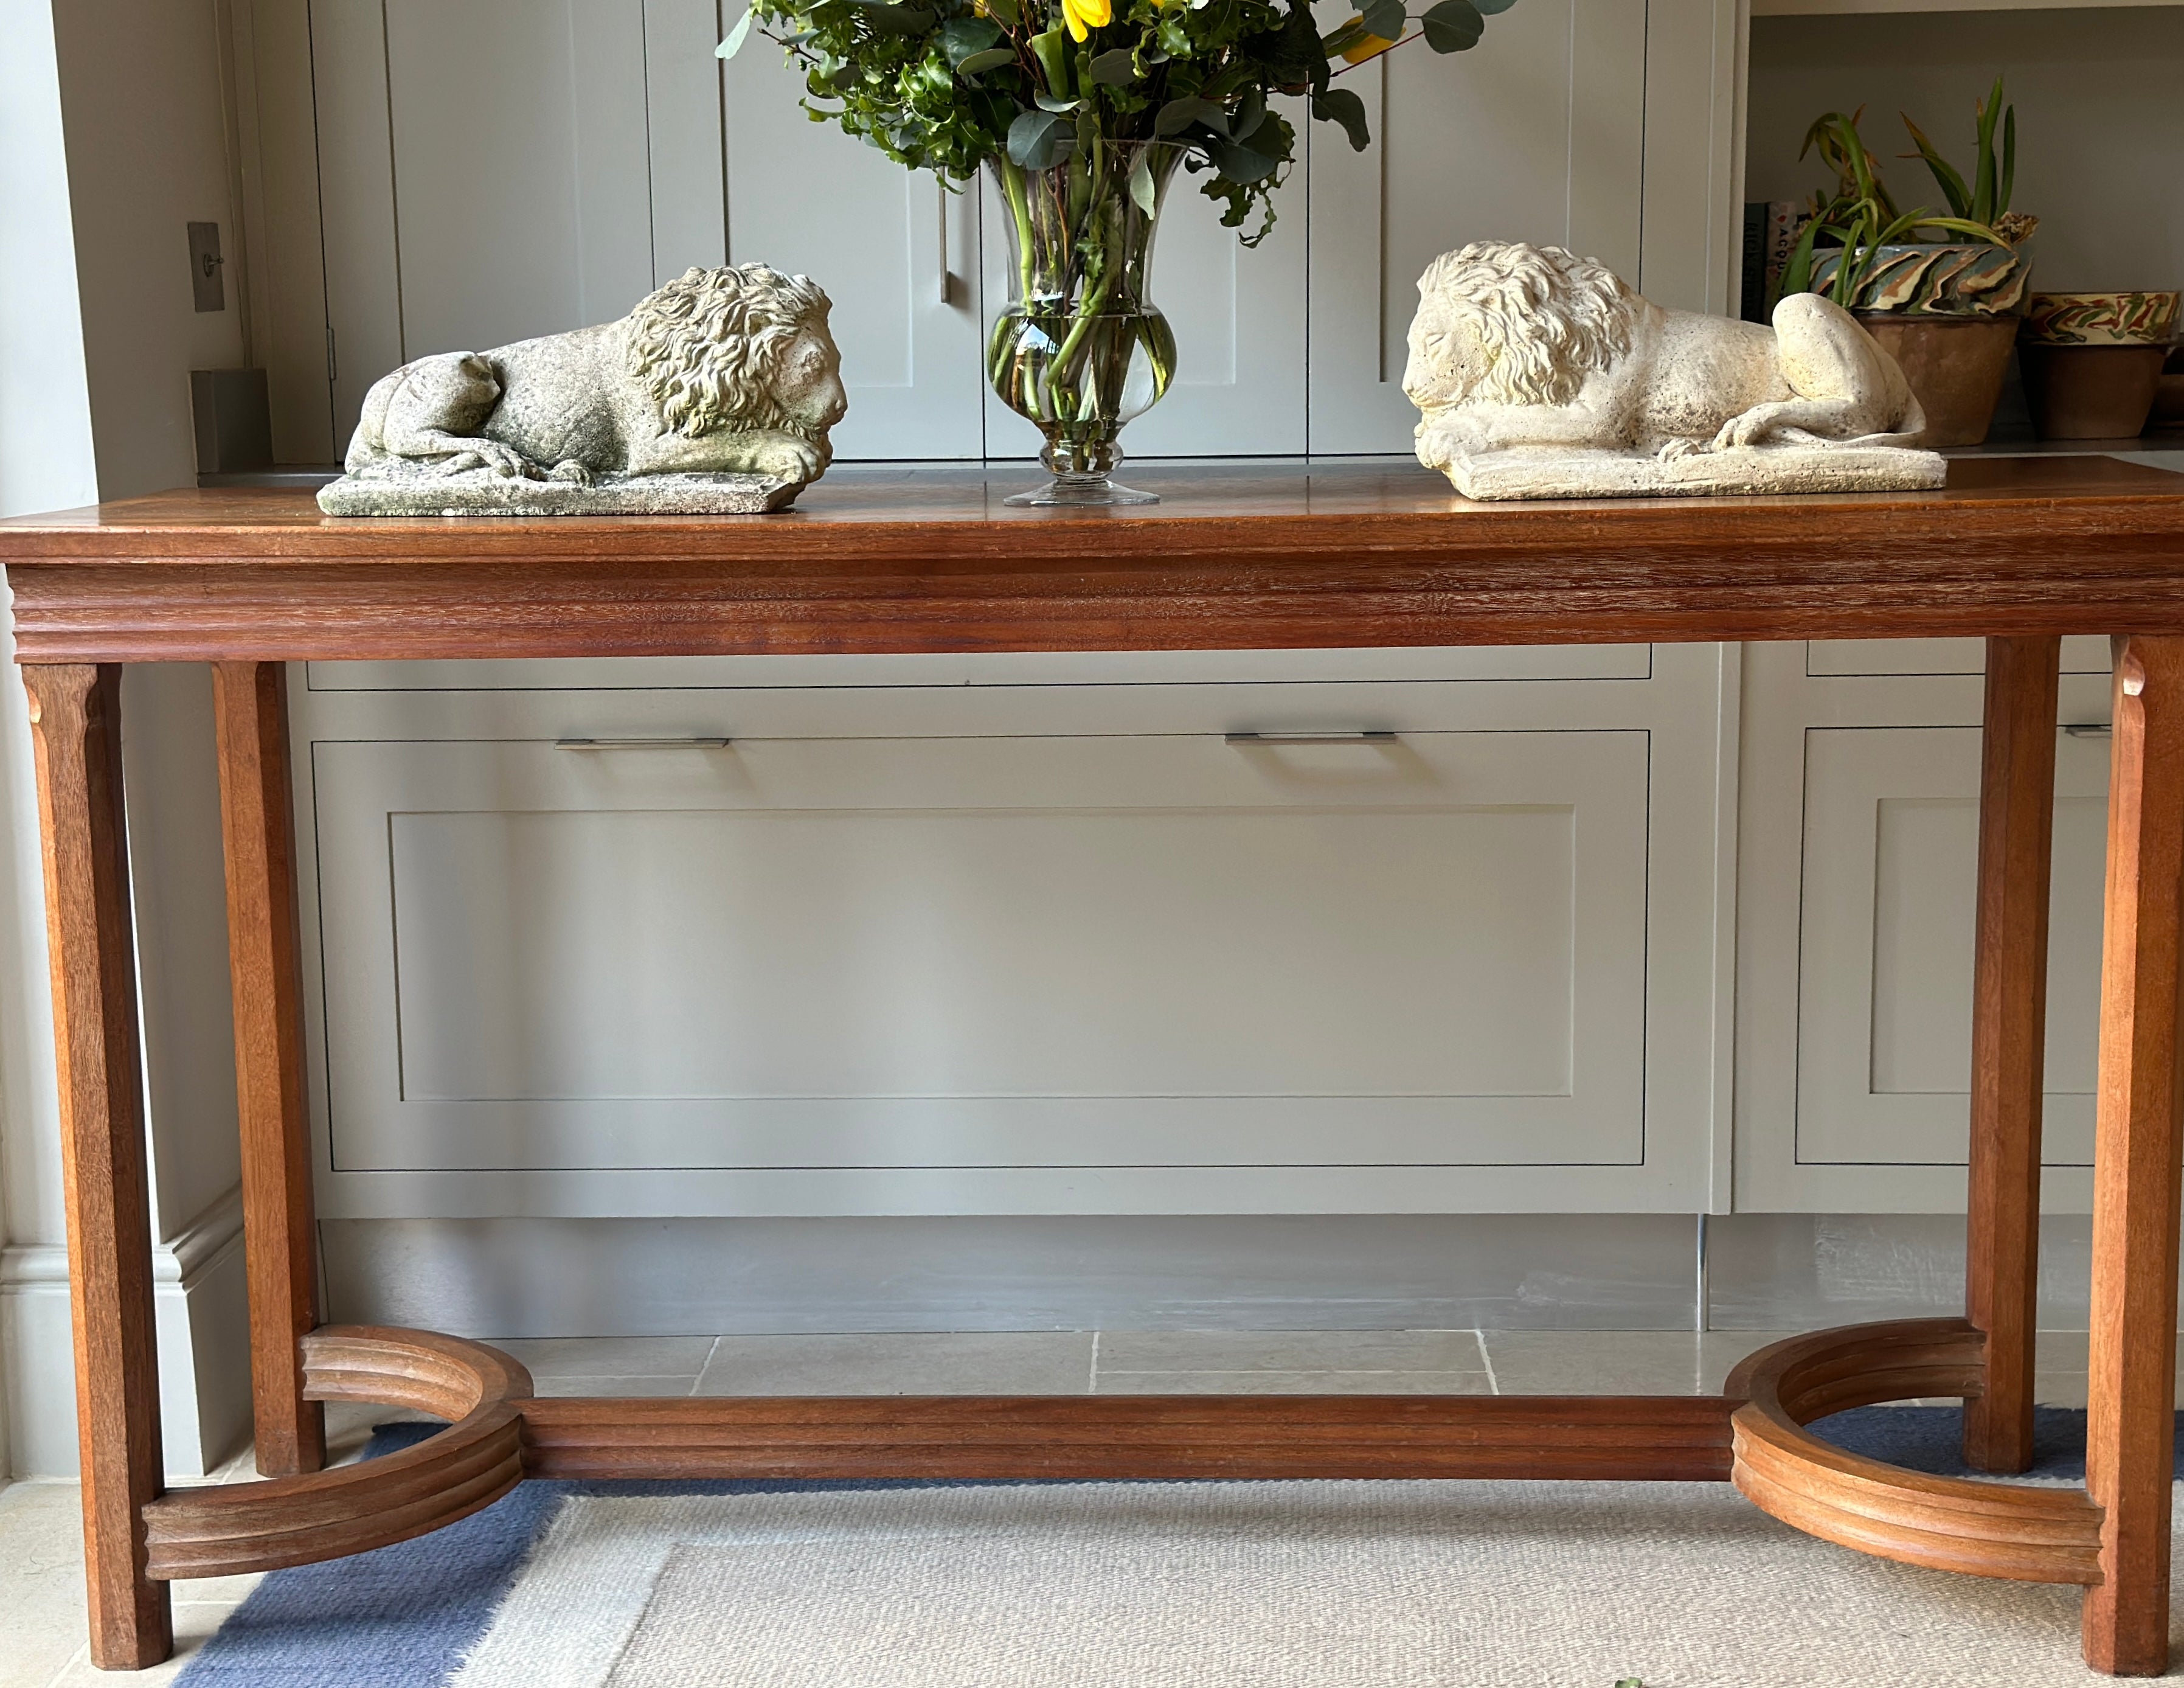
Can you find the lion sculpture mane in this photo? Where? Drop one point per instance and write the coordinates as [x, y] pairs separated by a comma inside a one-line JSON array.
[[722, 371], [1549, 358]]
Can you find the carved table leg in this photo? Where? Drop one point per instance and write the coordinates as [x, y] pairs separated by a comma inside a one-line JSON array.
[[2133, 1382], [251, 700], [2009, 1015], [76, 715]]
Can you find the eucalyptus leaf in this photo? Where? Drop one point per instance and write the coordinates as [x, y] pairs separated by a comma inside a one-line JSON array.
[[991, 59], [1340, 105], [1141, 183], [736, 36], [1037, 140], [961, 37], [1004, 13], [1385, 18], [1489, 7], [1453, 26], [1048, 102], [1114, 68]]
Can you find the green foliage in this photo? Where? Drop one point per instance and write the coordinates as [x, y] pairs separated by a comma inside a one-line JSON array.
[[1987, 201], [945, 84], [1861, 216]]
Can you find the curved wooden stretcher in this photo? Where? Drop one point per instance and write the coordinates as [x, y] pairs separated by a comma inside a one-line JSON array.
[[1267, 557]]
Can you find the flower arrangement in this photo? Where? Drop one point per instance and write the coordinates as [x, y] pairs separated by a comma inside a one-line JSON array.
[[1083, 111], [945, 84]]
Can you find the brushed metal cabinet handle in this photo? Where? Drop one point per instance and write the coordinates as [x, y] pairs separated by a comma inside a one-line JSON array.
[[642, 743], [2090, 729], [1370, 735]]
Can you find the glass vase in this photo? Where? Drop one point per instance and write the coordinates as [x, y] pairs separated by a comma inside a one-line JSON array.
[[1079, 348]]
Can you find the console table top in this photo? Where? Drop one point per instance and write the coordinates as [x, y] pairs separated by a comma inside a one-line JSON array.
[[1271, 555]]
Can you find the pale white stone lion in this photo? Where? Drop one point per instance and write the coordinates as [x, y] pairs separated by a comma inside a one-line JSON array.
[[720, 371], [1517, 347]]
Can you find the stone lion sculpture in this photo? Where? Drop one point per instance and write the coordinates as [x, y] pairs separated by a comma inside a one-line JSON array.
[[1540, 375], [715, 392]]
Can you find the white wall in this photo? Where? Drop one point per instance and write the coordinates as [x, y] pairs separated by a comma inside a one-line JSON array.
[[110, 121], [2100, 121], [45, 460]]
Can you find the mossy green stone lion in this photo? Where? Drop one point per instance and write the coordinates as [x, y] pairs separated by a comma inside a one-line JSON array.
[[722, 371]]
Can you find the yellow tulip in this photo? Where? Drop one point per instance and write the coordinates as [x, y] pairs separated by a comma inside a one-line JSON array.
[[1084, 16], [1365, 47]]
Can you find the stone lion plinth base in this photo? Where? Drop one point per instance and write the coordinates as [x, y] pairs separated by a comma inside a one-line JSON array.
[[482, 491], [1553, 472]]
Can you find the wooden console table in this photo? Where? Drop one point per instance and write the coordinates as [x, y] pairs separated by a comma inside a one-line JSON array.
[[2019, 551]]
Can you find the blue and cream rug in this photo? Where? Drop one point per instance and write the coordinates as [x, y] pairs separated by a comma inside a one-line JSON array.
[[1380, 1584]]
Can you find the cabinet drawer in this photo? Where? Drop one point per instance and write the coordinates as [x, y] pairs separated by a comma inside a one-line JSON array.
[[1885, 987], [1149, 951]]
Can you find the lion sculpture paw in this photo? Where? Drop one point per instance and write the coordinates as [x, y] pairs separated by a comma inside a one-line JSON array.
[[1539, 374], [715, 393]]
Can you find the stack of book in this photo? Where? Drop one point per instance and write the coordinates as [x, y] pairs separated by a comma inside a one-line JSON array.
[[1770, 230]]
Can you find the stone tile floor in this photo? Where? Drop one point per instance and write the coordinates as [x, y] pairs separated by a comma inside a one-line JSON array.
[[41, 1545]]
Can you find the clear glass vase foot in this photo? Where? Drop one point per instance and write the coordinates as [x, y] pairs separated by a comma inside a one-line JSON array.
[[1082, 492]]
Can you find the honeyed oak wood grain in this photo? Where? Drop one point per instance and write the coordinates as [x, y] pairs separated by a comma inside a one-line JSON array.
[[2009, 1029], [75, 723], [250, 701], [2138, 1149], [1579, 1437], [1989, 1529], [1277, 555]]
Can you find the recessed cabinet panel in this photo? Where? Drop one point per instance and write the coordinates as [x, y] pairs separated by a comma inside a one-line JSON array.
[[1890, 854], [521, 172], [1832, 658], [1112, 952], [896, 252]]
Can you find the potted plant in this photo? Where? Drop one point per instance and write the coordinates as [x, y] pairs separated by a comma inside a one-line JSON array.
[[1083, 112], [2092, 362], [1947, 310]]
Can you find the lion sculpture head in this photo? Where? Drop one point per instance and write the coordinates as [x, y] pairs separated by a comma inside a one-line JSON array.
[[738, 350], [1506, 323]]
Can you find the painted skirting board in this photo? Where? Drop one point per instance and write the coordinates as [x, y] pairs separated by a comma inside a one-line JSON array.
[[204, 1348]]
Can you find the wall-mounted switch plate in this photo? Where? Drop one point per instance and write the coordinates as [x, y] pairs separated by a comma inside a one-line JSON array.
[[210, 291]]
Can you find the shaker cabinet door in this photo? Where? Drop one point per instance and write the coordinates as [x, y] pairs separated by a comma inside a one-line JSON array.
[[1885, 992], [842, 955], [505, 168], [1536, 135], [896, 252]]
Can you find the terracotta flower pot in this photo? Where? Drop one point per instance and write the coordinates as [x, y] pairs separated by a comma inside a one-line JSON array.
[[2089, 392], [1955, 365], [2092, 361]]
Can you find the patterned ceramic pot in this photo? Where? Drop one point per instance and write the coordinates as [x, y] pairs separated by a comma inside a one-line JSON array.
[[2101, 318], [1930, 279]]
